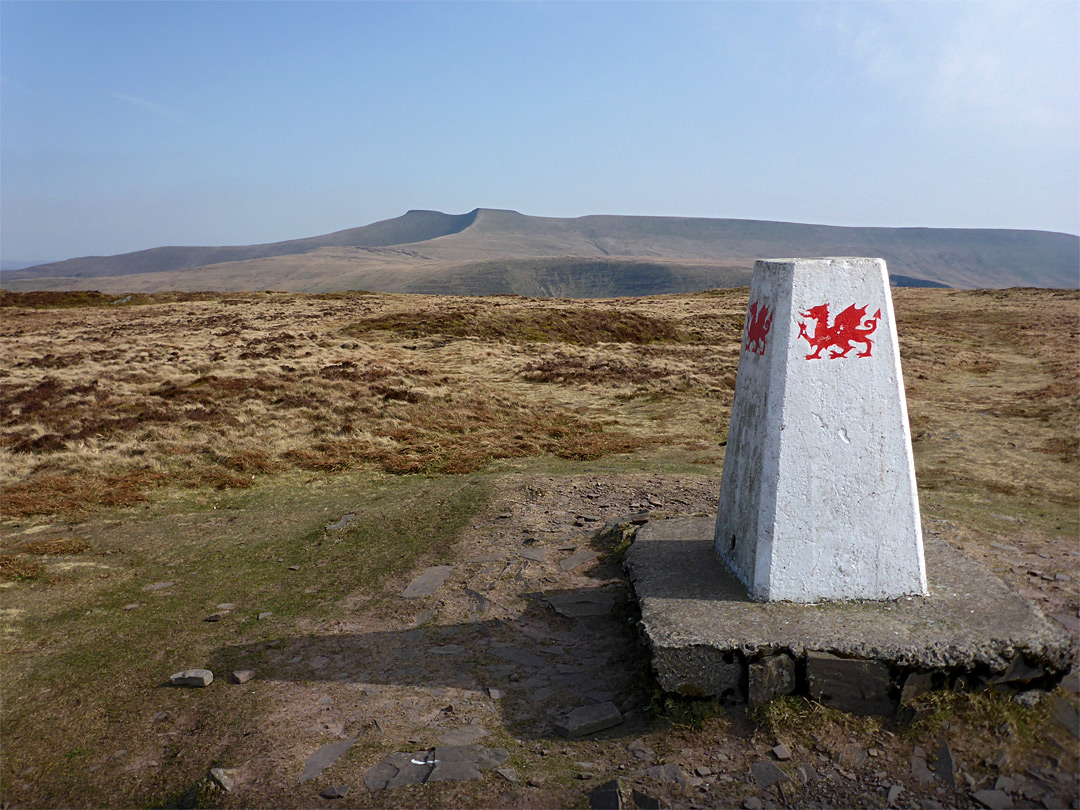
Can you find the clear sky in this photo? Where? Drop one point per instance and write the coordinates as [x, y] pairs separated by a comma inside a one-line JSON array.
[[128, 125]]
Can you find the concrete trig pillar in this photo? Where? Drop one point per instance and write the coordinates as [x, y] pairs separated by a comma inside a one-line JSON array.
[[818, 499]]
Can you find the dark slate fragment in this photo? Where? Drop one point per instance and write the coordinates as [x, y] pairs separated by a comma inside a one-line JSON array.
[[518, 656], [643, 801], [667, 773], [378, 776], [413, 769], [589, 720], [945, 766], [324, 757], [767, 773], [454, 771], [994, 799], [915, 684], [584, 602], [850, 684], [606, 796], [578, 559], [444, 763], [478, 755], [1018, 671], [428, 582], [769, 678]]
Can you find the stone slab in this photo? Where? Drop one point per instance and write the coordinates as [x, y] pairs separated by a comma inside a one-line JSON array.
[[700, 623], [584, 602], [324, 757], [428, 582], [444, 763], [192, 677], [770, 677], [853, 685], [586, 720]]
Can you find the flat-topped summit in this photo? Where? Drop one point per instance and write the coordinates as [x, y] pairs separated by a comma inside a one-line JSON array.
[[488, 251]]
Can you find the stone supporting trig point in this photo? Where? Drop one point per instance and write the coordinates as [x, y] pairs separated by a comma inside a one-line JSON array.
[[818, 499]]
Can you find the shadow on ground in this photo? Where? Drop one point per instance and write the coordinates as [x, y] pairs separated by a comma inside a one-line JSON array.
[[537, 666]]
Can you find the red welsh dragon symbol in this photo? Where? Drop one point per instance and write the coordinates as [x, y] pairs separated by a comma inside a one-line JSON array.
[[851, 326], [757, 328]]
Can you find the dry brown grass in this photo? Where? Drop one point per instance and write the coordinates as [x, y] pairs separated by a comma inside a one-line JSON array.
[[102, 403], [17, 569], [58, 546], [125, 405], [501, 319]]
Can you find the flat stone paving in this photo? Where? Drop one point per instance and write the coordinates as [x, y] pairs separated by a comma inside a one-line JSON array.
[[702, 627]]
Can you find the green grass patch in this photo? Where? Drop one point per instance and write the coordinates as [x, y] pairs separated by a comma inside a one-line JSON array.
[[88, 669]]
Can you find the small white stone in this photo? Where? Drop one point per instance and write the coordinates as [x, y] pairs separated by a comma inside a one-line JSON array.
[[221, 778]]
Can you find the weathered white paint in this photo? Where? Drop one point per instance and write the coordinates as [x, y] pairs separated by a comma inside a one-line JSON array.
[[818, 498]]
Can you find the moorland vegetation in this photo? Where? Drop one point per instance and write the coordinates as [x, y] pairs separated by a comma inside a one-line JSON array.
[[208, 440]]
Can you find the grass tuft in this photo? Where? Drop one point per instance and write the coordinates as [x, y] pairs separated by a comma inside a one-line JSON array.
[[15, 569]]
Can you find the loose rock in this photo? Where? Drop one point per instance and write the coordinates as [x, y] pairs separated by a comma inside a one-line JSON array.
[[585, 602], [242, 675], [641, 751], [849, 684], [994, 799], [589, 720], [920, 771], [466, 735], [915, 684], [577, 559], [219, 777], [428, 582], [338, 792], [324, 757], [767, 773], [1029, 698], [770, 677], [442, 764], [643, 801], [192, 677], [667, 773], [945, 766]]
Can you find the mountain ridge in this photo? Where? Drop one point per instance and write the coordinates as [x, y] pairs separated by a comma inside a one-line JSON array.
[[495, 250]]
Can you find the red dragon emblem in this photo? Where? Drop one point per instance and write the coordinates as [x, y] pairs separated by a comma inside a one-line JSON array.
[[757, 328], [851, 326]]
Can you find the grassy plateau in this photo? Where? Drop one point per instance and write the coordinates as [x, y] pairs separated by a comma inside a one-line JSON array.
[[169, 457]]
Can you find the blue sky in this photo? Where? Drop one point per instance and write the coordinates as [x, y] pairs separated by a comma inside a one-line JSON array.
[[128, 125]]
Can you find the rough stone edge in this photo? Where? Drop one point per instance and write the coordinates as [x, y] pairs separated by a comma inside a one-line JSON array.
[[973, 671]]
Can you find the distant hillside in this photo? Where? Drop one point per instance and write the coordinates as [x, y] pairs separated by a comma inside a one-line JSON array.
[[492, 251]]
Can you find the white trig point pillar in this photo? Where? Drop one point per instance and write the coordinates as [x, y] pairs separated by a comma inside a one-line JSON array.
[[818, 498]]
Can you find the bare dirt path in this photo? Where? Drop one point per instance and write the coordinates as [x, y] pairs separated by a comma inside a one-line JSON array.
[[487, 660]]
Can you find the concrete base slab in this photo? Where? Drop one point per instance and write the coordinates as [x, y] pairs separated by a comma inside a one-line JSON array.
[[704, 631]]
